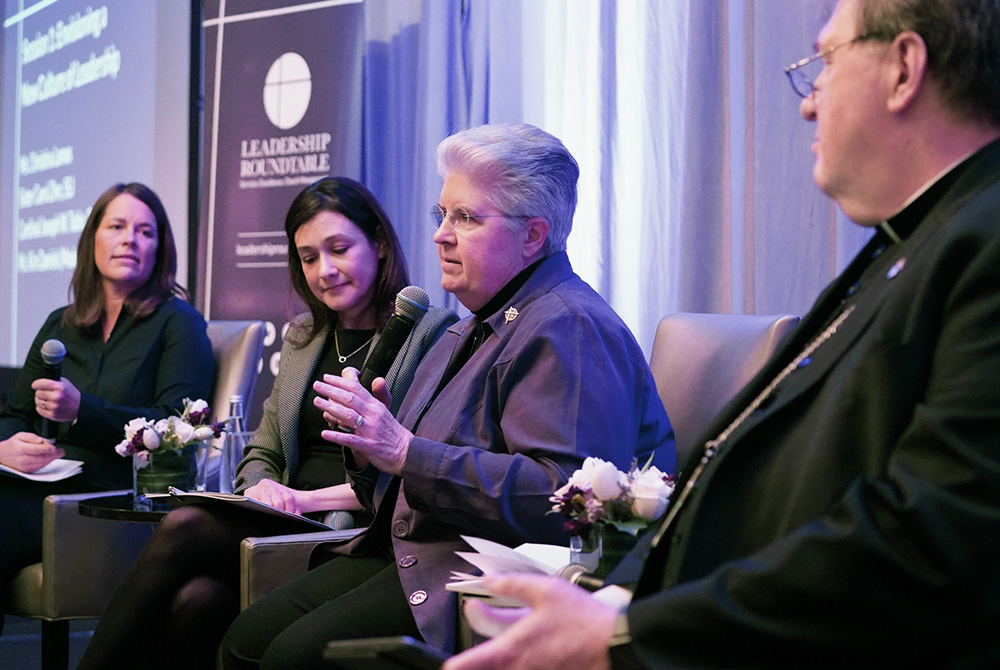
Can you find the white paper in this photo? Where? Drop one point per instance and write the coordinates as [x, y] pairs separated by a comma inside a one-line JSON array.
[[493, 558], [496, 559], [59, 469]]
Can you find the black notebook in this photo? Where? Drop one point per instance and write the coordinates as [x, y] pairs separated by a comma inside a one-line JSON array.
[[178, 497]]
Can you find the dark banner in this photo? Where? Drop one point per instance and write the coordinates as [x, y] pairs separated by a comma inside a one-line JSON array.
[[283, 90]]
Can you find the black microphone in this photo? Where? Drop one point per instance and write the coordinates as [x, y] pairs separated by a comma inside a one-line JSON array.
[[577, 573], [411, 304], [53, 353]]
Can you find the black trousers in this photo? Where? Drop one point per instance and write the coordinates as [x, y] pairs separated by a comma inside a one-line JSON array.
[[345, 598], [177, 600]]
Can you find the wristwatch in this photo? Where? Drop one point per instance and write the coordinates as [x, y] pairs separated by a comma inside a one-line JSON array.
[[621, 633]]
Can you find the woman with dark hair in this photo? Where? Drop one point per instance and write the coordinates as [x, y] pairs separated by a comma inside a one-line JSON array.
[[134, 347], [89, 277], [347, 266]]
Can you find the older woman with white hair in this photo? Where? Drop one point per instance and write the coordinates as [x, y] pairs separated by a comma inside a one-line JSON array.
[[502, 410]]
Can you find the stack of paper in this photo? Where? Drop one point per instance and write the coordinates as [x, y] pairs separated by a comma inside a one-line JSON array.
[[539, 559], [61, 468], [496, 559]]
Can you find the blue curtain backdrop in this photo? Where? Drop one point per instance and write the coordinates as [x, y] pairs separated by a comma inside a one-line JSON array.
[[696, 191]]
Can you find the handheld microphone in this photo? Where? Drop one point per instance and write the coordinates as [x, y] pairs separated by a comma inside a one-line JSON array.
[[411, 304], [577, 573], [339, 520], [53, 353]]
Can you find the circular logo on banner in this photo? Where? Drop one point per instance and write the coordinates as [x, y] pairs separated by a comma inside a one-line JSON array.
[[287, 89]]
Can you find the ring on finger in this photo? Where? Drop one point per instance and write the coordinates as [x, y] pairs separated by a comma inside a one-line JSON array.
[[360, 422]]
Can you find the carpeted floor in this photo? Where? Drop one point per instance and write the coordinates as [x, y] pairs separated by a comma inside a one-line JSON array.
[[20, 646]]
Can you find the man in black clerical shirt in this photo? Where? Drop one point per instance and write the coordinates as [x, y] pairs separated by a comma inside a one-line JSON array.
[[852, 518]]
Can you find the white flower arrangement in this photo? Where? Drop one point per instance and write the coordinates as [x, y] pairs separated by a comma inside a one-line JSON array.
[[601, 493], [174, 433]]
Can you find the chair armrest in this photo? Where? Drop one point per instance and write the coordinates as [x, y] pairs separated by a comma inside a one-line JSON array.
[[269, 562], [83, 560]]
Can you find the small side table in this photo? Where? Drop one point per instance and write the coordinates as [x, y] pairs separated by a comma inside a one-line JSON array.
[[120, 508]]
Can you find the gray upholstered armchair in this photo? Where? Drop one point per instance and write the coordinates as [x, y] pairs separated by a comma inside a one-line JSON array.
[[238, 347], [269, 562], [83, 559], [700, 361]]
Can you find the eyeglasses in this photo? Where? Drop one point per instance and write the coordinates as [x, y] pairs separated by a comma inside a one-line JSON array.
[[802, 82], [463, 221]]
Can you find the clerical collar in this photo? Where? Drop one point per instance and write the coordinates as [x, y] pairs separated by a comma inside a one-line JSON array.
[[917, 206], [504, 295]]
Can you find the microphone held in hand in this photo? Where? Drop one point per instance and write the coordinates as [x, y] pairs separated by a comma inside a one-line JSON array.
[[578, 574], [411, 304], [53, 353], [339, 520]]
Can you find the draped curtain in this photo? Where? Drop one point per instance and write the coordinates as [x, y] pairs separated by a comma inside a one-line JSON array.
[[695, 192]]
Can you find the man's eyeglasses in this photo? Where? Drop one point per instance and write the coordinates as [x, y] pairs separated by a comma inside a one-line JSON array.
[[798, 73], [462, 220]]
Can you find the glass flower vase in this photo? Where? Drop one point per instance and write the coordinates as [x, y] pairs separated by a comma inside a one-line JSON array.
[[586, 550], [603, 549], [156, 471]]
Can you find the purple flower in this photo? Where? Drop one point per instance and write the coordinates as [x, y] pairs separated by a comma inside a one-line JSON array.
[[136, 440], [579, 527], [192, 427]]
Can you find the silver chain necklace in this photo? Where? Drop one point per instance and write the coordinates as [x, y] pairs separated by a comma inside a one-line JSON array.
[[336, 343]]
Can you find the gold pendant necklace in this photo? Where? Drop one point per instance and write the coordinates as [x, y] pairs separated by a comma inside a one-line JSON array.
[[336, 343]]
